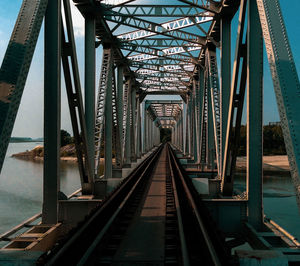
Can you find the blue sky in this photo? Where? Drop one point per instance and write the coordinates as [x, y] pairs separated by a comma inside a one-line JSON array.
[[29, 121]]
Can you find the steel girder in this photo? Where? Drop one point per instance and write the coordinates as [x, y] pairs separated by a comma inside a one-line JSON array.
[[15, 66], [213, 79], [236, 103], [52, 91], [106, 70], [171, 46], [164, 113], [71, 72], [285, 80], [164, 48], [107, 126], [156, 11]]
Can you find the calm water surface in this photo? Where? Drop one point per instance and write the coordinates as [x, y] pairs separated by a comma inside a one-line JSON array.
[[21, 185], [279, 202], [21, 191]]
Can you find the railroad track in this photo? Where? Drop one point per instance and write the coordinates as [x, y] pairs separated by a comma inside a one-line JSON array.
[[119, 232]]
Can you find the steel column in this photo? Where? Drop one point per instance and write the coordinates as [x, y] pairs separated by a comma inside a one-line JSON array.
[[15, 66], [184, 127], [254, 116], [210, 129], [120, 87], [194, 125], [108, 124], [133, 124], [237, 94], [145, 142], [188, 136], [147, 131], [52, 111], [201, 115], [285, 80], [138, 130], [90, 90], [150, 132], [181, 130], [127, 139], [225, 81]]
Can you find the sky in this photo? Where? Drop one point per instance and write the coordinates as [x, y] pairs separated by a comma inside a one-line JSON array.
[[29, 121]]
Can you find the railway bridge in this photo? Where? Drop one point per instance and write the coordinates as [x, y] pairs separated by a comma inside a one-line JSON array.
[[175, 202]]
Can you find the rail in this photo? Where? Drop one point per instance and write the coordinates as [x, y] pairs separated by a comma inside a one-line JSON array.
[[192, 214], [77, 248], [189, 238]]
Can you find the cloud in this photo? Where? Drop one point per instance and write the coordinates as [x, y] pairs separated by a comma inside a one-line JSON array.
[[78, 21]]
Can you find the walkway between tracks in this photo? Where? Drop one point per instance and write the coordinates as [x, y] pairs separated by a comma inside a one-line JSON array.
[[144, 240]]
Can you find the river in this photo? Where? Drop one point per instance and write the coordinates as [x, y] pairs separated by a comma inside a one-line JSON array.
[[21, 191], [21, 184]]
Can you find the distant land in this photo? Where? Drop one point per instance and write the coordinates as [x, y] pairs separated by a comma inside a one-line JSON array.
[[25, 139]]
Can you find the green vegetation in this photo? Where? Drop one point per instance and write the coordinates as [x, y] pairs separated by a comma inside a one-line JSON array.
[[273, 140], [65, 138]]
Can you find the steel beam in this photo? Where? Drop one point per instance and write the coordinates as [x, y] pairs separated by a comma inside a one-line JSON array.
[[225, 81], [73, 87], [145, 142], [210, 130], [254, 116], [108, 122], [237, 93], [120, 88], [15, 66], [133, 124], [285, 80], [52, 112], [201, 122], [89, 82], [127, 139], [214, 91], [138, 129]]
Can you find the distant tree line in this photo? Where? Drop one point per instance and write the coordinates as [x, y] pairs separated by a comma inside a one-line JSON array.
[[273, 141], [65, 138]]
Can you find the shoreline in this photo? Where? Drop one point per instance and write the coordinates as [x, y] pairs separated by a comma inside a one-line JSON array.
[[67, 154], [272, 164]]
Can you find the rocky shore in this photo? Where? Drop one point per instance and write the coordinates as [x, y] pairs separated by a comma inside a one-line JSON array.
[[272, 165], [67, 153]]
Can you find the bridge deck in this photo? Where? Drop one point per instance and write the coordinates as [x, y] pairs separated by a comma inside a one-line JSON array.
[[144, 240]]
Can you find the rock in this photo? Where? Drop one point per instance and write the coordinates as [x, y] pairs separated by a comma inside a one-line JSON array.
[[67, 153]]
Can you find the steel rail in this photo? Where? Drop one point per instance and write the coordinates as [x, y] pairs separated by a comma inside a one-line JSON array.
[[107, 209], [99, 237], [189, 196], [184, 250]]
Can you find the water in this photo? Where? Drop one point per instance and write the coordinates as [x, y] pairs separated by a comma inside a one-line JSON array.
[[21, 184], [21, 191], [279, 202]]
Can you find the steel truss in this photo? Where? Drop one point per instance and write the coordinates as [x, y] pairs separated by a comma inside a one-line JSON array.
[[152, 55]]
